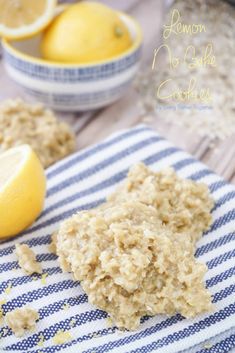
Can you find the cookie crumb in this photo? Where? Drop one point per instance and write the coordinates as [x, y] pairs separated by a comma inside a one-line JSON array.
[[2, 302], [8, 289], [4, 332], [109, 321], [27, 259], [52, 245], [62, 337], [43, 279], [208, 345], [22, 319], [66, 306], [41, 340], [72, 322]]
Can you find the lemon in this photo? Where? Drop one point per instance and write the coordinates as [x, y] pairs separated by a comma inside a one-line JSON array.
[[85, 32], [24, 18], [22, 189]]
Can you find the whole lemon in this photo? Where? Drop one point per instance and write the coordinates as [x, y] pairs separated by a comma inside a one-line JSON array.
[[85, 32]]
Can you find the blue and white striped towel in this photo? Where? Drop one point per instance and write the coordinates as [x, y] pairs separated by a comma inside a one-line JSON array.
[[80, 182]]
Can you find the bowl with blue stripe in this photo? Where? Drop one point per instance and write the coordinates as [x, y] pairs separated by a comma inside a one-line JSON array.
[[73, 87]]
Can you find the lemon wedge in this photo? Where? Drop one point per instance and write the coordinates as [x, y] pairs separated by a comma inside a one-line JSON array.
[[22, 189], [24, 18], [85, 32]]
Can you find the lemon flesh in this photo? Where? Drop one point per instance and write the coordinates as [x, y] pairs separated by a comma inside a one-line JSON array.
[[22, 189], [85, 32], [24, 18]]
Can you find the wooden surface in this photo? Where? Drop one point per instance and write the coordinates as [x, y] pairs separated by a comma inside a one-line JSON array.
[[93, 126]]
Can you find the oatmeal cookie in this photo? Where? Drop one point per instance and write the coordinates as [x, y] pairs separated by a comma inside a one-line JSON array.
[[132, 264], [22, 123]]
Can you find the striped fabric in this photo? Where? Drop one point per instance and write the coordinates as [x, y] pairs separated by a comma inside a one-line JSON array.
[[80, 182]]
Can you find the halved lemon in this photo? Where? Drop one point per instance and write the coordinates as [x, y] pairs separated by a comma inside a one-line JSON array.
[[22, 189], [23, 18]]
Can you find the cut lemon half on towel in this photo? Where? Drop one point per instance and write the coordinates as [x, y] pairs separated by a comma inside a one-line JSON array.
[[24, 18], [22, 189]]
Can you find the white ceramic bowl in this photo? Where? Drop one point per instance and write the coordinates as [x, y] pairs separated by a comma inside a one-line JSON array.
[[73, 87]]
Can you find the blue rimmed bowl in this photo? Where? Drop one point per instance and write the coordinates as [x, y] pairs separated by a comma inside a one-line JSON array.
[[73, 87]]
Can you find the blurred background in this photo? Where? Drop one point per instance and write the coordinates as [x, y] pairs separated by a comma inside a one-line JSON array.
[[205, 130]]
